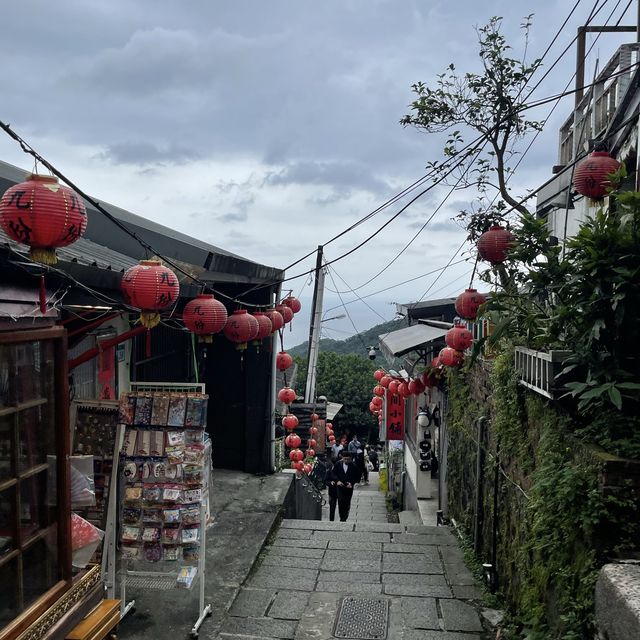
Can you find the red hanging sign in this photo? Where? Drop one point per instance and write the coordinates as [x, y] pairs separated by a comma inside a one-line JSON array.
[[395, 416]]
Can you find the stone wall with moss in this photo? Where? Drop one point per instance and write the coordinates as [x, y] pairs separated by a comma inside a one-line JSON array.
[[563, 507]]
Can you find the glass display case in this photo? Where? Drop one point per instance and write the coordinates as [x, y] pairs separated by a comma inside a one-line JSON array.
[[35, 547]]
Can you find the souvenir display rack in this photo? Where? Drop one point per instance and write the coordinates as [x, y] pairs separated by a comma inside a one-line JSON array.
[[163, 477]]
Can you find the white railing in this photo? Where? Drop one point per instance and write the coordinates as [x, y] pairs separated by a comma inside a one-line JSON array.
[[593, 114], [537, 369]]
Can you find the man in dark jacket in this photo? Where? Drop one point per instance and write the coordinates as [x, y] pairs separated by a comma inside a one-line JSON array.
[[345, 474], [332, 490]]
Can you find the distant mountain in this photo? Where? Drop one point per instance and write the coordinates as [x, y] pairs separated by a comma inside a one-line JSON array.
[[352, 344]]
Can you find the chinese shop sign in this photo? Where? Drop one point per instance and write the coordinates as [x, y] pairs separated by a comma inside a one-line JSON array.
[[395, 417]]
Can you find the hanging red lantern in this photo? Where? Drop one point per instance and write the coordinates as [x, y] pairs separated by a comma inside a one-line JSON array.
[[313, 431], [459, 338], [379, 390], [436, 362], [591, 175], [373, 408], [430, 379], [43, 214], [283, 361], [403, 390], [293, 441], [277, 321], [307, 469], [265, 328], [204, 316], [314, 417], [468, 303], [376, 401], [416, 386], [378, 375], [150, 287], [393, 386], [290, 421], [286, 395], [385, 380], [241, 327], [493, 245], [450, 357], [293, 303], [312, 444], [285, 312], [310, 453], [296, 455], [329, 425], [298, 466]]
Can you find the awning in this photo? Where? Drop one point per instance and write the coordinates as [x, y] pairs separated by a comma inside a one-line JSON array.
[[402, 341], [332, 409]]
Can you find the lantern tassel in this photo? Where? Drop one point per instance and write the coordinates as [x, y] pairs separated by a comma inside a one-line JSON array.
[[149, 319], [148, 344], [43, 255], [43, 296]]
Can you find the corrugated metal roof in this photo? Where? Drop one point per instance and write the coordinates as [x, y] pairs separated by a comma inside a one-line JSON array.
[[402, 341]]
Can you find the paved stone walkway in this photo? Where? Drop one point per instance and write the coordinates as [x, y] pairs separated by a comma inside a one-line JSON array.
[[367, 505], [310, 569]]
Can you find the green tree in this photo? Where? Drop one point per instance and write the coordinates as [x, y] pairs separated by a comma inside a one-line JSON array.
[[347, 380]]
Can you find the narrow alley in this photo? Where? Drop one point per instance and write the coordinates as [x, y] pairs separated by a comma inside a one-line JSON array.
[[365, 578]]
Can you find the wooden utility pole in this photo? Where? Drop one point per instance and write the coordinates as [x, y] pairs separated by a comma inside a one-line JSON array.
[[314, 330]]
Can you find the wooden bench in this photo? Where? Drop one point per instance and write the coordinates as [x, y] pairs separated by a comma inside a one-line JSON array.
[[99, 624]]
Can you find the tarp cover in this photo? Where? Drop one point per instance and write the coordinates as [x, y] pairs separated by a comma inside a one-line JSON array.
[[402, 341]]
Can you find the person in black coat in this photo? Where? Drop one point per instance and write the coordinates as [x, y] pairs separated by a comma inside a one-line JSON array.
[[345, 474], [332, 490]]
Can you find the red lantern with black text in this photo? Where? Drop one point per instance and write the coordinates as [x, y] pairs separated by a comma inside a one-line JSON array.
[[293, 303], [450, 357], [290, 422], [468, 303], [591, 175], [241, 328], [277, 321], [459, 338], [494, 244], [152, 288], [285, 312], [283, 361], [204, 316], [43, 214], [265, 328], [286, 395]]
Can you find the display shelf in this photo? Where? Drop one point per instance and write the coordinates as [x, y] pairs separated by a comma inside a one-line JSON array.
[[22, 406]]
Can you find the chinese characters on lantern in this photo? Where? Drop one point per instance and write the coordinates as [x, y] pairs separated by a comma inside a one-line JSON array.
[[395, 417]]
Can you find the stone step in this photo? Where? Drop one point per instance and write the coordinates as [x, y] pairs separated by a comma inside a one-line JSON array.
[[409, 517]]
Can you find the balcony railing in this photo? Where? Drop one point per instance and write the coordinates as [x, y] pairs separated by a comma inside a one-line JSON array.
[[592, 116], [537, 370]]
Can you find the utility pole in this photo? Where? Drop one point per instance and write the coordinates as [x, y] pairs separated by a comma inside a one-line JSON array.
[[314, 330]]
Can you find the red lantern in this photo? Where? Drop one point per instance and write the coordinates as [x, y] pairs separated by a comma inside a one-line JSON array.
[[590, 177], [296, 455], [312, 444], [450, 357], [393, 386], [265, 328], [378, 374], [385, 380], [314, 417], [376, 401], [283, 361], [459, 338], [379, 390], [331, 438], [293, 303], [277, 321], [493, 245], [293, 441], [298, 466], [310, 453], [204, 316], [150, 287], [468, 303], [307, 468], [373, 408], [285, 312], [241, 327], [416, 387], [329, 425], [436, 362], [286, 395], [290, 421], [43, 214], [403, 390], [313, 431], [430, 378]]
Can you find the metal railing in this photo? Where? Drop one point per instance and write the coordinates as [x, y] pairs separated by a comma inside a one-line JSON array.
[[537, 370], [595, 111]]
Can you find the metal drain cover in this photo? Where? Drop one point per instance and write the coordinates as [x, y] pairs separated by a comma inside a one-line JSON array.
[[362, 619]]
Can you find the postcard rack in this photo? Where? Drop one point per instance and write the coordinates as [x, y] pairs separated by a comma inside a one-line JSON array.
[[162, 480]]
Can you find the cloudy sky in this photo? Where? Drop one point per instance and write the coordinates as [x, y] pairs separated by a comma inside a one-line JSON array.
[[266, 127]]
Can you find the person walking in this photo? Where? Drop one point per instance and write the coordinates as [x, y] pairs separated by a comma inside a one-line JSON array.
[[345, 474], [373, 458], [332, 490]]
